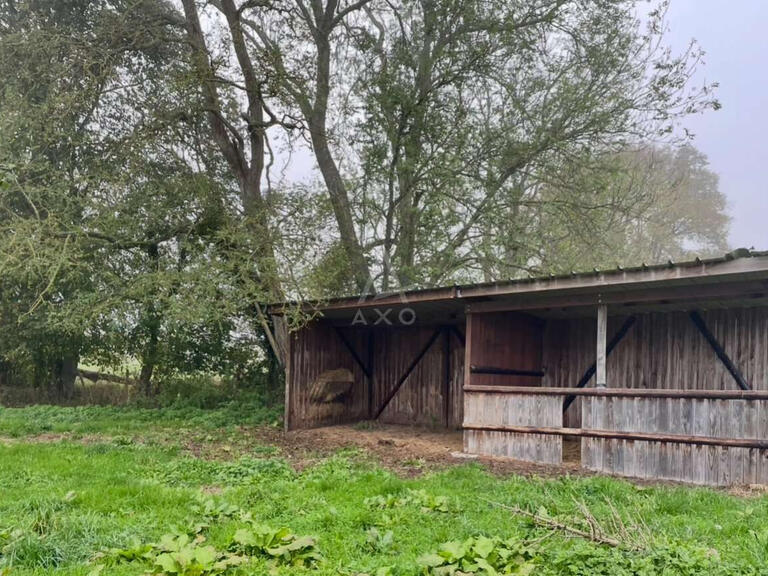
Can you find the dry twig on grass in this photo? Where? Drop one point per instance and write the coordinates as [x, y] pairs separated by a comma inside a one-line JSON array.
[[596, 534]]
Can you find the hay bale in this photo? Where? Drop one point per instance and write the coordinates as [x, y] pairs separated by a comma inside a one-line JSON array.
[[332, 386]]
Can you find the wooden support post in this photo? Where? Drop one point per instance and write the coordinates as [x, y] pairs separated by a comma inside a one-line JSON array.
[[371, 387], [448, 375], [628, 323], [468, 350], [407, 373], [718, 349], [602, 336], [288, 396]]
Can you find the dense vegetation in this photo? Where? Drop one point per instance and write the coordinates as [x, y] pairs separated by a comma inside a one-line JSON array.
[[132, 498], [169, 167], [152, 206]]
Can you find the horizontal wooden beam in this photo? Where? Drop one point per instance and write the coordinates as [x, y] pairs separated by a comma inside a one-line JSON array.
[[381, 300], [627, 297], [616, 435], [621, 392], [741, 269], [506, 371]]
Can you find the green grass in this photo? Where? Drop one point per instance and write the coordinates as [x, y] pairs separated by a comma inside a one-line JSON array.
[[62, 502], [79, 420]]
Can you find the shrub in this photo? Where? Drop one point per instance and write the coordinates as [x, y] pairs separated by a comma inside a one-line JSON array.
[[196, 391], [279, 545]]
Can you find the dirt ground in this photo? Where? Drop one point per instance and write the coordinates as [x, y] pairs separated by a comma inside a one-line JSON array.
[[411, 451], [404, 449]]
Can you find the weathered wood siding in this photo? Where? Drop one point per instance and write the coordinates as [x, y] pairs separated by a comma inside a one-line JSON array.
[[699, 464], [317, 348], [421, 399], [662, 350], [491, 409], [506, 340]]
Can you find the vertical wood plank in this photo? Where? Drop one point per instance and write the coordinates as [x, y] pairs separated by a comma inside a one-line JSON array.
[[602, 337]]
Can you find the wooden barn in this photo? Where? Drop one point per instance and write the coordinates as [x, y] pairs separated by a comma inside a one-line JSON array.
[[654, 372]]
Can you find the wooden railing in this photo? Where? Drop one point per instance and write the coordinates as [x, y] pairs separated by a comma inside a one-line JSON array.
[[702, 436], [623, 392]]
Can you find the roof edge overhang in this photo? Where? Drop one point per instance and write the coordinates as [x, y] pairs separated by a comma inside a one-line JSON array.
[[741, 266]]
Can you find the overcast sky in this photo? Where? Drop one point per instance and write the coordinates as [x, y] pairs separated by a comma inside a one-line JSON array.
[[734, 35]]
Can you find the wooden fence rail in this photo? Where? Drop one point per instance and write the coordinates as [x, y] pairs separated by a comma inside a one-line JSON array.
[[714, 437], [621, 392], [521, 411]]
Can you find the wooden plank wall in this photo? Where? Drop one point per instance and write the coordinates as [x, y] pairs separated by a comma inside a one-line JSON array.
[[313, 350], [662, 350], [506, 340], [490, 409], [317, 348], [710, 465], [421, 398]]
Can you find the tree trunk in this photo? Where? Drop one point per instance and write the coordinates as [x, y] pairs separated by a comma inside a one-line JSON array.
[[65, 373], [316, 117], [149, 355], [231, 143], [151, 322], [337, 192], [145, 377], [412, 153]]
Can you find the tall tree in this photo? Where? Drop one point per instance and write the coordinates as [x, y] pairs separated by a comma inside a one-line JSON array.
[[424, 117], [116, 213], [265, 70], [240, 132], [645, 205], [470, 105], [60, 63]]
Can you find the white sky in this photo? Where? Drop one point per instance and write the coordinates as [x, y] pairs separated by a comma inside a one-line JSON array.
[[734, 35]]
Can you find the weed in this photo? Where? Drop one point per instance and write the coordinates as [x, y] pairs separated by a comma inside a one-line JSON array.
[[420, 498], [279, 545], [246, 470], [378, 541], [183, 556], [480, 555]]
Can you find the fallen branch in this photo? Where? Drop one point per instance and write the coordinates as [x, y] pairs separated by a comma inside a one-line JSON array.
[[593, 536], [95, 376]]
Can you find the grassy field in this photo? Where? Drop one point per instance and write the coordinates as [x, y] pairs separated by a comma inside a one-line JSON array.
[[118, 491]]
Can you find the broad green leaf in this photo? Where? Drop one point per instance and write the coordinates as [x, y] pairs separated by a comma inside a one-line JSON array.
[[431, 560], [484, 546], [167, 563]]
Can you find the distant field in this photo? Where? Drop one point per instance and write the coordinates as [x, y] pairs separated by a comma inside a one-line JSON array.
[[126, 491]]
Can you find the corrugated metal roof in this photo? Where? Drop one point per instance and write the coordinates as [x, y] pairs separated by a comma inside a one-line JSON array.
[[691, 271]]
